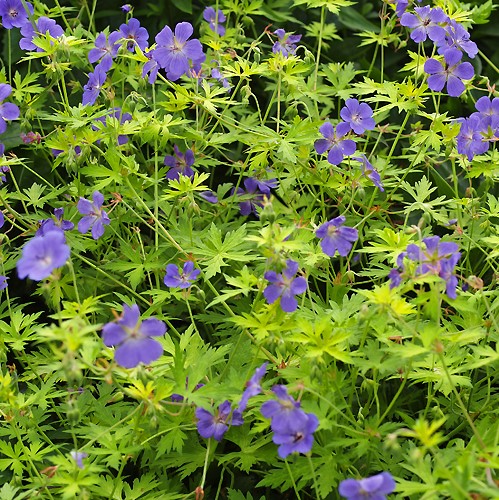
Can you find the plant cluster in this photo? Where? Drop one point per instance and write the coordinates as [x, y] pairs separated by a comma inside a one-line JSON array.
[[239, 260]]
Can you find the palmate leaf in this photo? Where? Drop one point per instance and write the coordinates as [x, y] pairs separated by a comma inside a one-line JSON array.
[[174, 440], [216, 251], [333, 6]]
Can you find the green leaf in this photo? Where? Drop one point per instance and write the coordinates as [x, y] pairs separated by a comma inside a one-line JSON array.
[[217, 251]]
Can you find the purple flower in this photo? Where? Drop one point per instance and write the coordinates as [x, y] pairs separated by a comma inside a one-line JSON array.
[[285, 408], [286, 43], [336, 237], [151, 67], [253, 387], [470, 140], [44, 25], [175, 52], [216, 425], [14, 14], [215, 18], [296, 436], [175, 279], [451, 75], [487, 106], [401, 6], [95, 82], [334, 143], [359, 116], [3, 170], [3, 282], [42, 254], [369, 171], [8, 111], [94, 216], [126, 8], [209, 196], [131, 336], [57, 224], [134, 34], [285, 286], [425, 23], [435, 258], [395, 278], [457, 37], [2, 219], [78, 457], [106, 48], [292, 427], [253, 195], [180, 164], [371, 488]]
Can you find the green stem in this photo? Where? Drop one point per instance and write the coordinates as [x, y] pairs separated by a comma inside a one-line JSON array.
[[319, 46], [205, 467]]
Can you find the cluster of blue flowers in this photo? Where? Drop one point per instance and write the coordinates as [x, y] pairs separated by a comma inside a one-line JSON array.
[[48, 250], [8, 111], [292, 428], [451, 40], [338, 143], [433, 258], [16, 15], [480, 129]]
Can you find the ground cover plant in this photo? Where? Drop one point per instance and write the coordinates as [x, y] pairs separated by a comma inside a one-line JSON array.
[[249, 250]]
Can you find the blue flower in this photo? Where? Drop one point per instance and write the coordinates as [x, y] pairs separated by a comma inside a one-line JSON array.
[[433, 258], [334, 236], [180, 164], [134, 34], [359, 116], [369, 171], [175, 279], [131, 336], [14, 14], [216, 425], [42, 255], [215, 18], [3, 282], [371, 488], [43, 25], [8, 111], [253, 387], [175, 52], [57, 224], [78, 457], [95, 83], [94, 216], [286, 43], [106, 48], [334, 143], [285, 286]]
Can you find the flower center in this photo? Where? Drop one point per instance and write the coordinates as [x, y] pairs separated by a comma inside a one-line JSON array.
[[331, 230], [298, 437], [47, 260], [177, 46]]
